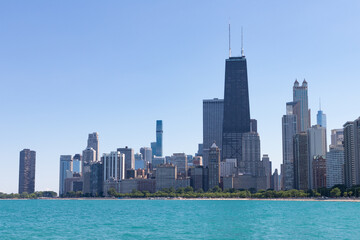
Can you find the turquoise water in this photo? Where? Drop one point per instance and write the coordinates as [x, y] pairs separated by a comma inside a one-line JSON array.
[[162, 219]]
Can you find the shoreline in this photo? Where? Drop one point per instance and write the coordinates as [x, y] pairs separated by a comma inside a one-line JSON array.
[[209, 199]]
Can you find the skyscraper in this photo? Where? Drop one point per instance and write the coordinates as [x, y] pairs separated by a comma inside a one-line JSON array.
[[300, 94], [319, 172], [93, 142], [335, 165], [337, 137], [159, 138], [289, 127], [214, 166], [113, 166], [352, 152], [153, 148], [147, 154], [180, 161], [316, 147], [321, 118], [27, 171], [129, 158], [250, 154], [213, 113], [236, 119], [65, 169], [77, 163], [89, 157], [301, 161]]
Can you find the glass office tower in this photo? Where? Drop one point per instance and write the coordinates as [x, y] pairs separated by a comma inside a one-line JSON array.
[[236, 108], [159, 138]]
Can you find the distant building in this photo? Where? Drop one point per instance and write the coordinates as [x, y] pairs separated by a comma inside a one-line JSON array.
[[93, 142], [197, 161], [147, 154], [301, 161], [159, 138], [214, 166], [337, 137], [27, 171], [300, 94], [165, 176], [77, 163], [153, 148], [96, 179], [228, 168], [213, 113], [316, 147], [73, 183], [289, 129], [139, 162], [266, 163], [65, 167], [131, 173], [129, 158], [197, 178], [275, 184], [321, 119], [89, 157], [113, 166], [180, 160], [158, 161], [352, 152], [250, 154], [200, 149], [319, 172], [253, 125], [335, 166]]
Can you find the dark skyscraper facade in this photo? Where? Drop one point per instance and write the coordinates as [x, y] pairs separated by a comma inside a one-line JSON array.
[[27, 171], [236, 108], [159, 138]]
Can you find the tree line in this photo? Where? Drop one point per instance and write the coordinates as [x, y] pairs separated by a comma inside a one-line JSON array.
[[188, 192], [25, 195]]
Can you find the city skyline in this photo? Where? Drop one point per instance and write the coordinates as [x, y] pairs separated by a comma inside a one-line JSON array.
[[53, 110]]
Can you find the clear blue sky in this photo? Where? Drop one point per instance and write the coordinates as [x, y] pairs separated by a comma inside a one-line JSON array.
[[68, 68]]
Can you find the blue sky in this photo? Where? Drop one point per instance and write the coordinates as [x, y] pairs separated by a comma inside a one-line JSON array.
[[68, 68]]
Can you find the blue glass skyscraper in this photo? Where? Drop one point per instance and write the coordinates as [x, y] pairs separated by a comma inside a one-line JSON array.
[[159, 138], [321, 118]]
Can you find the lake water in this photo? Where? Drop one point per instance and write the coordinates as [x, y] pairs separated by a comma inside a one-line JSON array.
[[165, 219]]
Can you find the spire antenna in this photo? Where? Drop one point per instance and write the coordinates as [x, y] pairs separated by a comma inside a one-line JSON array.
[[242, 43], [320, 104], [229, 41]]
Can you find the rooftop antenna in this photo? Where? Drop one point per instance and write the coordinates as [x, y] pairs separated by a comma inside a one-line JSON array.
[[242, 43], [229, 41], [320, 104]]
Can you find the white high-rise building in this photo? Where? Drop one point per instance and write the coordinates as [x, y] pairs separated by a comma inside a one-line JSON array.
[[316, 147], [114, 166]]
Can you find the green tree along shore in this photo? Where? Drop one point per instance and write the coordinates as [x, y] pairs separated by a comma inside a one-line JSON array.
[[188, 192], [24, 195], [216, 192]]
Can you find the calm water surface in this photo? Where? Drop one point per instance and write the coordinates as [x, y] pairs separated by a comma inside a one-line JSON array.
[[161, 219]]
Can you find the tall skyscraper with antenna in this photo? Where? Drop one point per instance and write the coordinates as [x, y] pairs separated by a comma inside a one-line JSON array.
[[321, 117], [236, 119]]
